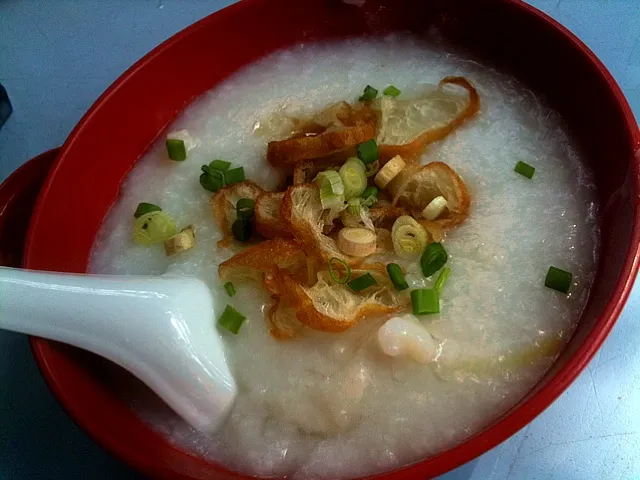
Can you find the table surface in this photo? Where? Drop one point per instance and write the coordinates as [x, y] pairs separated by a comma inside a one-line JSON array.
[[57, 57]]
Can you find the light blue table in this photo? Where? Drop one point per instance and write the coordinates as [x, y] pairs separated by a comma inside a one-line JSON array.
[[57, 56]]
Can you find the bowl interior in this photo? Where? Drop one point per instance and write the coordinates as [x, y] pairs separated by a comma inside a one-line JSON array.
[[85, 180]]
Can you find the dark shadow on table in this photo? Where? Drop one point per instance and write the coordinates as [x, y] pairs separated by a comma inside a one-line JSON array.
[[33, 421]]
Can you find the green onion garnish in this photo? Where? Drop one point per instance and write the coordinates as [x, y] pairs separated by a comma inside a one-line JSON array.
[[336, 264], [330, 182], [368, 151], [425, 301], [369, 196], [354, 206], [331, 188], [362, 282], [353, 178], [153, 227], [524, 169], [558, 279], [442, 278], [235, 175], [370, 192], [397, 277], [212, 180], [241, 229], [231, 319], [391, 91], [372, 168], [245, 213], [245, 208], [231, 290], [369, 93], [221, 165], [176, 149], [144, 207], [368, 202], [433, 259], [245, 203]]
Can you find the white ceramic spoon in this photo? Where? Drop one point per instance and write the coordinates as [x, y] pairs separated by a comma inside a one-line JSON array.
[[162, 329]]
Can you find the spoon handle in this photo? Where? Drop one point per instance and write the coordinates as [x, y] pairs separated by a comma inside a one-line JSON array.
[[81, 310], [41, 304], [159, 328]]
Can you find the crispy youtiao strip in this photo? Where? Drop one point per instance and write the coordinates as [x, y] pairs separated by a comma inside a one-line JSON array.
[[430, 181], [339, 127], [406, 127], [333, 307], [268, 221]]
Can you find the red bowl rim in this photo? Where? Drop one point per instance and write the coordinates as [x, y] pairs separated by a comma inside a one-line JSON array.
[[482, 441]]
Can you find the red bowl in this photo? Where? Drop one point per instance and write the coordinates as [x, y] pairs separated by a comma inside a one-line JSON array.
[[121, 125]]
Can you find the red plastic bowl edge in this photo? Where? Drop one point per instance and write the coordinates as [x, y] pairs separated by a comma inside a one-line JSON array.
[[509, 424]]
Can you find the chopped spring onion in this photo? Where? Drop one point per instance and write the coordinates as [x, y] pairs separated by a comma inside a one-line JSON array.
[[235, 175], [331, 189], [369, 196], [231, 290], [409, 237], [391, 91], [354, 206], [397, 277], [425, 301], [558, 279], [144, 207], [435, 208], [442, 278], [433, 259], [153, 227], [221, 165], [245, 208], [362, 282], [331, 182], [231, 319], [369, 93], [212, 180], [369, 202], [368, 151], [372, 168], [370, 192], [337, 265], [524, 169], [176, 149], [354, 178], [246, 203], [242, 229], [217, 175]]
